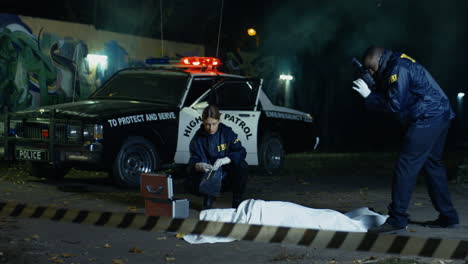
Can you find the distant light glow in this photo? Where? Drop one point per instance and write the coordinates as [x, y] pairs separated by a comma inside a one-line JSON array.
[[94, 60], [461, 95], [286, 77], [251, 32]]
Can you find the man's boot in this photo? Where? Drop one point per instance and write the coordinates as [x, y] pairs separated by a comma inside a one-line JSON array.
[[208, 202], [236, 200]]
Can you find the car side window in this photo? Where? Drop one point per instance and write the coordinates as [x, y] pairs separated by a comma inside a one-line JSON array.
[[235, 96], [197, 89]]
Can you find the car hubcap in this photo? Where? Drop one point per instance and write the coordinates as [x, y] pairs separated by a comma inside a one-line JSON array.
[[273, 155], [137, 159]]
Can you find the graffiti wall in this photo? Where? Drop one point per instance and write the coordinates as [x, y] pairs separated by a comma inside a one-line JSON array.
[[44, 62]]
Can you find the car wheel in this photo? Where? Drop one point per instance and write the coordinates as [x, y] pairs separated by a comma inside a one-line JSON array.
[[41, 170], [271, 154], [136, 156]]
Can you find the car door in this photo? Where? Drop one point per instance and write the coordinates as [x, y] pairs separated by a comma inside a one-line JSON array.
[[237, 100]]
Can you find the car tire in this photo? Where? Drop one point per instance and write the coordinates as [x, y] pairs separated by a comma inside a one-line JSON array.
[[271, 154], [137, 155], [41, 170]]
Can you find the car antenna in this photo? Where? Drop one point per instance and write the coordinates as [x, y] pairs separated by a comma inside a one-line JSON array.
[[162, 27], [219, 29]]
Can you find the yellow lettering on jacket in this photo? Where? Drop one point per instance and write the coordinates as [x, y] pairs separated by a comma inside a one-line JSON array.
[[404, 56], [222, 147], [393, 78]]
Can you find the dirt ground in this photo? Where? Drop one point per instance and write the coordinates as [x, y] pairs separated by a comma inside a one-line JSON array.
[[340, 182]]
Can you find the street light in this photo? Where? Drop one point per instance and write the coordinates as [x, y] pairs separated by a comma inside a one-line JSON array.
[[460, 109], [94, 60], [251, 32], [286, 77], [285, 81]]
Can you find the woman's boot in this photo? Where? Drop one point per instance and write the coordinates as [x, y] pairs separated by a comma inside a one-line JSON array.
[[208, 202]]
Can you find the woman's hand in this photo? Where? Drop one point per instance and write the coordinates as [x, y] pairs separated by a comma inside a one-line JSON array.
[[220, 162], [205, 167]]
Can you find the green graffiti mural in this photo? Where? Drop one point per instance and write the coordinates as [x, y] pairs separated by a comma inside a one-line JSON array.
[[22, 65], [47, 69], [39, 70]]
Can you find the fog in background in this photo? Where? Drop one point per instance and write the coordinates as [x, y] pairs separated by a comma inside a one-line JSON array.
[[313, 39], [325, 34]]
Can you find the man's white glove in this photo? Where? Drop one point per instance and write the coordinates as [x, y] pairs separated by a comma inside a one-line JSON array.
[[205, 167], [361, 87], [220, 162]]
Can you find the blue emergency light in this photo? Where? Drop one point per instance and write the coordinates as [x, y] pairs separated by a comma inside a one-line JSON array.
[[157, 61], [12, 132]]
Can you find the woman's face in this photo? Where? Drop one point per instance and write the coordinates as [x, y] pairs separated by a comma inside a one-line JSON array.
[[211, 125]]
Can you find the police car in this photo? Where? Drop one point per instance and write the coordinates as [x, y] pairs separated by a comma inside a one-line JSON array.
[[142, 119]]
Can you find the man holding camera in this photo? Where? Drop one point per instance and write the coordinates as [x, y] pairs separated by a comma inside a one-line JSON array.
[[405, 87]]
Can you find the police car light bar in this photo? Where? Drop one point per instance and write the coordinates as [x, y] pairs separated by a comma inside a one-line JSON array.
[[157, 61], [200, 61]]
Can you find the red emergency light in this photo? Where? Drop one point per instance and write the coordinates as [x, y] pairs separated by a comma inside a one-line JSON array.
[[200, 61], [45, 133]]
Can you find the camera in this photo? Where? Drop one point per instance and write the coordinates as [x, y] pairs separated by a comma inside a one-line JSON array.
[[364, 74]]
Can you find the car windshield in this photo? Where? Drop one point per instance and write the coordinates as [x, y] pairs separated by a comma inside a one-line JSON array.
[[162, 87]]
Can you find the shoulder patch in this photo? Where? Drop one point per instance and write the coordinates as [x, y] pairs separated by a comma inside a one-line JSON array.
[[404, 56], [393, 78]]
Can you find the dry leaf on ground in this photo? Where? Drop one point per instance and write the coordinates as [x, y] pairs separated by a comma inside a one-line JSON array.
[[135, 250]]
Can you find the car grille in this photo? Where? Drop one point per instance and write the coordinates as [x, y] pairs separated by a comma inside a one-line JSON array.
[[33, 130]]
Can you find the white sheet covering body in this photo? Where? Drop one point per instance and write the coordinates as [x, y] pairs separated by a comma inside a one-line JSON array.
[[277, 213]]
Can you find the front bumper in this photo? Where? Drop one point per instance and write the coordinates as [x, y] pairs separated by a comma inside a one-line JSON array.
[[90, 153]]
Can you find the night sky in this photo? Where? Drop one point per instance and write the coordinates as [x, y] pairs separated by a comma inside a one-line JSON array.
[[315, 39]]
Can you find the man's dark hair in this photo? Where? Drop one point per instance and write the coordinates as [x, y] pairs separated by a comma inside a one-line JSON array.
[[372, 51], [211, 111]]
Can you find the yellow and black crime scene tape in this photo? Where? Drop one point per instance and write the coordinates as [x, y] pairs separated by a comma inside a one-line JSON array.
[[354, 241]]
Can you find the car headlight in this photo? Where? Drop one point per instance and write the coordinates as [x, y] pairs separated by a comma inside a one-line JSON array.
[[89, 132], [93, 131], [73, 131]]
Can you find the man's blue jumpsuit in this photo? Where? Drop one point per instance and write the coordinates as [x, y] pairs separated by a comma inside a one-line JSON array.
[[407, 88]]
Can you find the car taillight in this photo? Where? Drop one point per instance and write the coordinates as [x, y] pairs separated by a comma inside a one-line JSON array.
[[45, 133]]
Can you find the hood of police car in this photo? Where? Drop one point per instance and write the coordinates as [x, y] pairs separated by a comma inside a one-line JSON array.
[[98, 109]]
